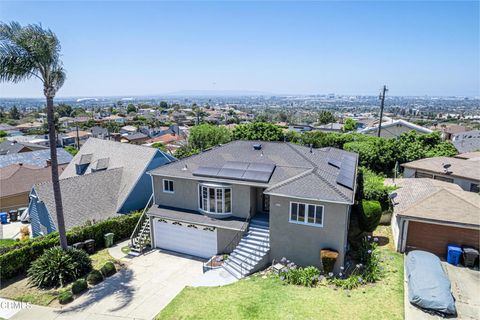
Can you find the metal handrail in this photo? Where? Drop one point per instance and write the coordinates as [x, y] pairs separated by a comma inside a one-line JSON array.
[[238, 235], [138, 227]]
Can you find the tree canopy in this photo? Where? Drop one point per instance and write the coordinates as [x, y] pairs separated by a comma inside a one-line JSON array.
[[258, 131], [325, 117], [205, 136]]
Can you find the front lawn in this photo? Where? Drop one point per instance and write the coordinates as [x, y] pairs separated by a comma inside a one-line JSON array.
[[260, 297], [19, 289]]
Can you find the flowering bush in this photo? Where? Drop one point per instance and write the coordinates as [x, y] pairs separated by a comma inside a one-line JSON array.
[[307, 277], [367, 271]]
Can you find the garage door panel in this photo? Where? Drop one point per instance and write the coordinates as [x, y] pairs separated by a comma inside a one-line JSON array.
[[183, 239], [435, 238]]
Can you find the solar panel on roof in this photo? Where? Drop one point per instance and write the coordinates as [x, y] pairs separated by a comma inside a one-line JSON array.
[[236, 165], [206, 172], [345, 181], [235, 174], [267, 167], [257, 176], [334, 162]]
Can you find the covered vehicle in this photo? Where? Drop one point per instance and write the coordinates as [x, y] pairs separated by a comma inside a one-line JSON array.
[[428, 285]]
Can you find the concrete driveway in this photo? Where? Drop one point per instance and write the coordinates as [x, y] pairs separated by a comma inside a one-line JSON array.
[[465, 289], [139, 291]]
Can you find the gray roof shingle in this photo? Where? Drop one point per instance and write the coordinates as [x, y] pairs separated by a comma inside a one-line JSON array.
[[92, 197], [298, 172], [35, 158]]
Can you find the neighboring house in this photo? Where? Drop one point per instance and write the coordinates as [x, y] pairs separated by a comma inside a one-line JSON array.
[[128, 129], [331, 127], [114, 118], [99, 132], [394, 128], [430, 214], [475, 156], [465, 173], [16, 181], [293, 200], [24, 127], [467, 141], [39, 158], [12, 147], [165, 139], [80, 135], [135, 138], [449, 132], [104, 178], [9, 130]]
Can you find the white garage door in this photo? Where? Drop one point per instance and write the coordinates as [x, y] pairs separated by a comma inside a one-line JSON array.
[[191, 240]]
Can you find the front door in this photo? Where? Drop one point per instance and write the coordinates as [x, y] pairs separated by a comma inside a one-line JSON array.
[[265, 203]]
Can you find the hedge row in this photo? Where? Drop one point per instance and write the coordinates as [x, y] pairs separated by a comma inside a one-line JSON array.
[[16, 259]]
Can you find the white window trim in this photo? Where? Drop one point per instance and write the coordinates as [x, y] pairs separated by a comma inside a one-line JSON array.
[[305, 222], [163, 186], [215, 187]]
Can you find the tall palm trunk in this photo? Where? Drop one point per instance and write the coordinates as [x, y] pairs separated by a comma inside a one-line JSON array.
[[52, 137]]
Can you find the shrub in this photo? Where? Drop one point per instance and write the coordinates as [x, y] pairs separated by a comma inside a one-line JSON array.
[[94, 277], [79, 286], [65, 297], [370, 212], [17, 258], [375, 189], [108, 269], [84, 263], [56, 267], [307, 277]]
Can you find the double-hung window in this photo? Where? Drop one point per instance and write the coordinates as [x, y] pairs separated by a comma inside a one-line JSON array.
[[168, 186], [304, 213], [215, 199]]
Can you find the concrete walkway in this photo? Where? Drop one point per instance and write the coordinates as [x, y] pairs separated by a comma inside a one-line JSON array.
[[139, 291], [213, 278]]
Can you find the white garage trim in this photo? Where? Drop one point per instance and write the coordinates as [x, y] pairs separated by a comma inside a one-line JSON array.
[[192, 239]]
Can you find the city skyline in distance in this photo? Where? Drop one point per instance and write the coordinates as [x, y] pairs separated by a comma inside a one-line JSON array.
[[144, 49]]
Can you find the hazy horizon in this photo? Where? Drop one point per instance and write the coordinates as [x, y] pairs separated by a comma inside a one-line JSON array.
[[125, 49]]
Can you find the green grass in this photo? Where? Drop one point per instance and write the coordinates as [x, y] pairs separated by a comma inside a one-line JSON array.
[[126, 249], [6, 242], [101, 257], [269, 298]]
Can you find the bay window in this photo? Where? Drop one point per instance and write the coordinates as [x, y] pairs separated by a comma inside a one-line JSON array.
[[215, 199]]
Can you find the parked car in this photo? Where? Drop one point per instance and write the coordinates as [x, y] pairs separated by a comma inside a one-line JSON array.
[[428, 285]]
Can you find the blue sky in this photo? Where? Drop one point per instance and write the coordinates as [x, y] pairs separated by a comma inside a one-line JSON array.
[[149, 48]]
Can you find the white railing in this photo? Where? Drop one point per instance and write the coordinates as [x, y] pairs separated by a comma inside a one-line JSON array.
[[139, 228]]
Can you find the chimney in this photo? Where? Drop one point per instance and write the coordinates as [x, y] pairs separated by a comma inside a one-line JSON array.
[[49, 162]]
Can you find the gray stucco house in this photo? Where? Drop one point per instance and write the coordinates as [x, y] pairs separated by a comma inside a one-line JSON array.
[[104, 179], [258, 201]]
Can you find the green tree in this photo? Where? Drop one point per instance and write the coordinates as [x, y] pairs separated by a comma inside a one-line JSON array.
[[258, 131], [185, 151], [349, 125], [325, 117], [205, 136], [31, 51], [131, 108], [163, 105], [64, 110], [14, 113], [3, 134], [160, 146]]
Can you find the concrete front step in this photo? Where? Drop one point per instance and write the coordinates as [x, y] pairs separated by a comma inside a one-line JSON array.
[[248, 263], [246, 252]]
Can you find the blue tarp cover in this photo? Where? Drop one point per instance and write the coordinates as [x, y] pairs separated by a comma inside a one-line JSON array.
[[428, 285]]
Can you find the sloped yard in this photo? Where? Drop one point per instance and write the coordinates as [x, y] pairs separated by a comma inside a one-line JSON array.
[[260, 297]]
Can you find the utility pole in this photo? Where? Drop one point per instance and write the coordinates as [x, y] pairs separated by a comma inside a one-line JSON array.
[[78, 139], [382, 98]]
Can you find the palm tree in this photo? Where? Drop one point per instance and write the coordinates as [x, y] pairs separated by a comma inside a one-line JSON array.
[[33, 52]]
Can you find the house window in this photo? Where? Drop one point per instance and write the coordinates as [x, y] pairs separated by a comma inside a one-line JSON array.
[[304, 213], [475, 187], [443, 179], [423, 175], [168, 186], [215, 199]]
